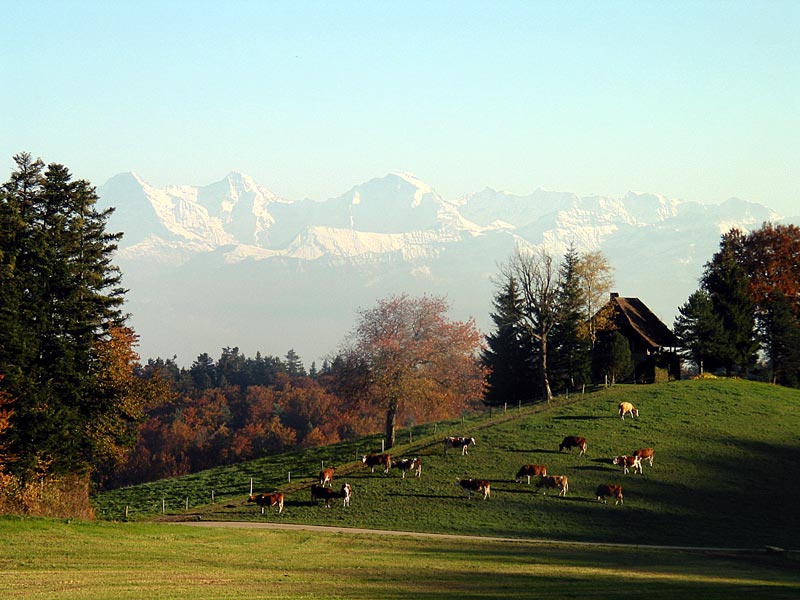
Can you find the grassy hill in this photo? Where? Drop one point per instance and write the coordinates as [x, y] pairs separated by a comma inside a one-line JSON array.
[[725, 474]]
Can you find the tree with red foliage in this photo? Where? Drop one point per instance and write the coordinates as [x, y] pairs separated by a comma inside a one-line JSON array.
[[410, 354]]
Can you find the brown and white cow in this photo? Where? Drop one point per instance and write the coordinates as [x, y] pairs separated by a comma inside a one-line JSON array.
[[628, 462], [610, 491], [377, 460], [328, 494], [531, 471], [326, 476], [625, 408], [644, 454], [458, 442], [476, 485], [554, 481], [268, 500], [409, 464], [573, 441]]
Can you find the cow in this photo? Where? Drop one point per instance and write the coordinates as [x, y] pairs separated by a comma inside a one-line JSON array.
[[268, 500], [644, 454], [326, 476], [610, 491], [628, 462], [375, 460], [554, 481], [409, 464], [573, 441], [531, 471], [625, 408], [476, 485], [328, 494], [458, 442]]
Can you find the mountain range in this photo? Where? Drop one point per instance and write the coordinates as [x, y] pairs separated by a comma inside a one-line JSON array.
[[232, 264]]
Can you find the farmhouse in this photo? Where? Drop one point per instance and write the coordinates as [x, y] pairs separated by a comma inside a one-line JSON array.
[[651, 342]]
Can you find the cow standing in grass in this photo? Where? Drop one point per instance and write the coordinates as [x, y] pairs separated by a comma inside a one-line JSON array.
[[408, 464], [531, 471], [459, 442], [376, 460], [644, 454], [626, 408], [560, 482], [326, 476], [476, 485], [609, 491], [573, 441], [268, 500]]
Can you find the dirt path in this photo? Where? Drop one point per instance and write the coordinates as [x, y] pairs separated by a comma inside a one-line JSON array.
[[451, 536]]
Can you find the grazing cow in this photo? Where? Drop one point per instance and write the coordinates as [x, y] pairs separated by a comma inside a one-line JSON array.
[[628, 462], [375, 460], [554, 481], [326, 476], [645, 454], [627, 408], [476, 485], [458, 442], [328, 494], [265, 500], [573, 441], [409, 464], [347, 491], [531, 471], [610, 491]]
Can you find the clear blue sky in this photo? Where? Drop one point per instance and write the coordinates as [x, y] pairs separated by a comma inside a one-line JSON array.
[[692, 100]]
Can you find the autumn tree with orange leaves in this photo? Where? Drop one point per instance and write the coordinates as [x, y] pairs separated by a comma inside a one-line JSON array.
[[414, 359]]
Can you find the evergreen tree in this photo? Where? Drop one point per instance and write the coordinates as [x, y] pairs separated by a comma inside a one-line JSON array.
[[611, 357], [509, 353], [294, 366], [728, 286], [571, 359], [781, 334], [701, 332], [203, 372], [60, 295]]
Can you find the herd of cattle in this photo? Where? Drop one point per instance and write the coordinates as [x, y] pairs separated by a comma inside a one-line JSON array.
[[319, 491]]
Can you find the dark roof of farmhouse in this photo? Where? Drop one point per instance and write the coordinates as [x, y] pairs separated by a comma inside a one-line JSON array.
[[633, 314]]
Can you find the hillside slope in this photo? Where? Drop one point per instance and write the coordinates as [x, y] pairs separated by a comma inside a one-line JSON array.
[[725, 473]]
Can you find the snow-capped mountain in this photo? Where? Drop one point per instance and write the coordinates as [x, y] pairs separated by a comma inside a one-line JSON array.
[[233, 264]]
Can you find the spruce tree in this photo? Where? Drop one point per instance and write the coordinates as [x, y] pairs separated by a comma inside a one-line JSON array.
[[61, 295], [728, 286], [570, 347], [781, 334], [509, 353], [701, 332]]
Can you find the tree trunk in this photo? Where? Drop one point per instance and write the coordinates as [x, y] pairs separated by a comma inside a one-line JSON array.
[[391, 418], [548, 394]]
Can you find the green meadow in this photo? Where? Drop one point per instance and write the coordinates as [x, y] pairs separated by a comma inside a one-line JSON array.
[[723, 488], [725, 473]]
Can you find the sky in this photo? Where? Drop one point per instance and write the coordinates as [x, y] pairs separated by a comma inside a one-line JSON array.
[[691, 100]]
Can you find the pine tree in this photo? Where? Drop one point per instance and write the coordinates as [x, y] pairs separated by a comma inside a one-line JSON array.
[[781, 334], [60, 296], [509, 354], [611, 357], [571, 359], [701, 332], [728, 283], [294, 366]]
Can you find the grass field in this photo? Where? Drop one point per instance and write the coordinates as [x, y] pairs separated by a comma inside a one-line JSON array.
[[43, 559], [725, 474]]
